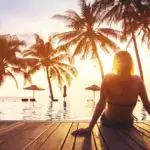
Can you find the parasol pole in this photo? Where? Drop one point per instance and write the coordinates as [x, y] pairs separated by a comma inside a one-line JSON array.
[[33, 93], [93, 95]]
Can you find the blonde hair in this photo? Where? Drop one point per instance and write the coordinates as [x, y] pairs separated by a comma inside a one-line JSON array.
[[123, 64]]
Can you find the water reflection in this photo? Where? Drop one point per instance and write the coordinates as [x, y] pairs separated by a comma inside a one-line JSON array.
[[61, 110], [53, 111], [29, 111], [49, 111], [143, 113], [1, 116]]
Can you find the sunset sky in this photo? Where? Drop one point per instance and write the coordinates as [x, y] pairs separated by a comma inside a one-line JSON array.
[[26, 17], [30, 16]]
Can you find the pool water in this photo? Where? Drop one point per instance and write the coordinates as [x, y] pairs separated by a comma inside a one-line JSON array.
[[45, 110]]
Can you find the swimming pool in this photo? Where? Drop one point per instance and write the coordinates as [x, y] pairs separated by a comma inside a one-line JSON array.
[[42, 109]]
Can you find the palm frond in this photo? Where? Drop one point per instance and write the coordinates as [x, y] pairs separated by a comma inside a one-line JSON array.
[[56, 52], [143, 37], [72, 42], [79, 48], [102, 5], [95, 54], [16, 70], [32, 53], [129, 42], [35, 68], [27, 53], [38, 39], [68, 68], [30, 62], [67, 18], [87, 50], [110, 32], [83, 6], [2, 79], [8, 73], [52, 72], [59, 58], [108, 17], [67, 36], [58, 76], [27, 78], [64, 72], [73, 19], [105, 49], [68, 79], [74, 15], [103, 39], [14, 43]]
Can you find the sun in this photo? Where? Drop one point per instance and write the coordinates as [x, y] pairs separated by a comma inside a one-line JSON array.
[[90, 69], [107, 62]]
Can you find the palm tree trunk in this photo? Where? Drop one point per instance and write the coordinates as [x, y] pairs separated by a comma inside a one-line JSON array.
[[101, 67], [49, 84], [136, 51], [98, 59]]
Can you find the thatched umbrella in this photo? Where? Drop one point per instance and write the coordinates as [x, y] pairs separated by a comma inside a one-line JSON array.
[[93, 88], [33, 88]]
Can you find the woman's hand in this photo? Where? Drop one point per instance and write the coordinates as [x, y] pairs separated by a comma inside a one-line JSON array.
[[81, 131]]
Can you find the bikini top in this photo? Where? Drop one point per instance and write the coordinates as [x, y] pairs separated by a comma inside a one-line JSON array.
[[121, 105]]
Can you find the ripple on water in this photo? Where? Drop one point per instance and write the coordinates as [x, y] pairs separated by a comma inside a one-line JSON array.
[[39, 110]]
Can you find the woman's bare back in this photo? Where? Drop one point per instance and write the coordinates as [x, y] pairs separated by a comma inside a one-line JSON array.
[[122, 95]]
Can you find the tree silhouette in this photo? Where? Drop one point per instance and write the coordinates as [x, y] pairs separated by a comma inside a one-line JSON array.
[[85, 33], [52, 60], [11, 61]]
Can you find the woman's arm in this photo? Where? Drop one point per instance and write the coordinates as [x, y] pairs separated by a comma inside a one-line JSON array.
[[101, 104], [144, 97], [98, 110], [99, 107]]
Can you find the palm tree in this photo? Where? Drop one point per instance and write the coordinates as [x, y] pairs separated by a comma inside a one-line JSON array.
[[126, 12], [53, 61], [85, 34], [142, 24], [10, 58]]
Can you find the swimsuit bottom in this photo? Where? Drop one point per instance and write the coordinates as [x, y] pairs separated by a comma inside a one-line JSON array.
[[111, 123]]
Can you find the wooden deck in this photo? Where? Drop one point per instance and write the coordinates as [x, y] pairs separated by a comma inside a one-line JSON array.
[[33, 135]]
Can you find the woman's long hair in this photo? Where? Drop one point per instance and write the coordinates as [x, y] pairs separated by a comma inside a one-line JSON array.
[[123, 64]]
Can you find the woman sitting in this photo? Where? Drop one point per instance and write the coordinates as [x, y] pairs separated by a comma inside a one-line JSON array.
[[119, 93]]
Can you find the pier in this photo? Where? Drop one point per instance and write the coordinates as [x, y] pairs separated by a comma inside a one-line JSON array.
[[56, 135]]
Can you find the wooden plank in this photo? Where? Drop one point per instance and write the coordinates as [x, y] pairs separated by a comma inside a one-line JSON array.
[[57, 138], [44, 135], [142, 131], [113, 140], [132, 144], [10, 134], [70, 139], [24, 136], [84, 142], [11, 130], [4, 124], [142, 127], [99, 141], [147, 123], [41, 138], [139, 138], [11, 127]]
